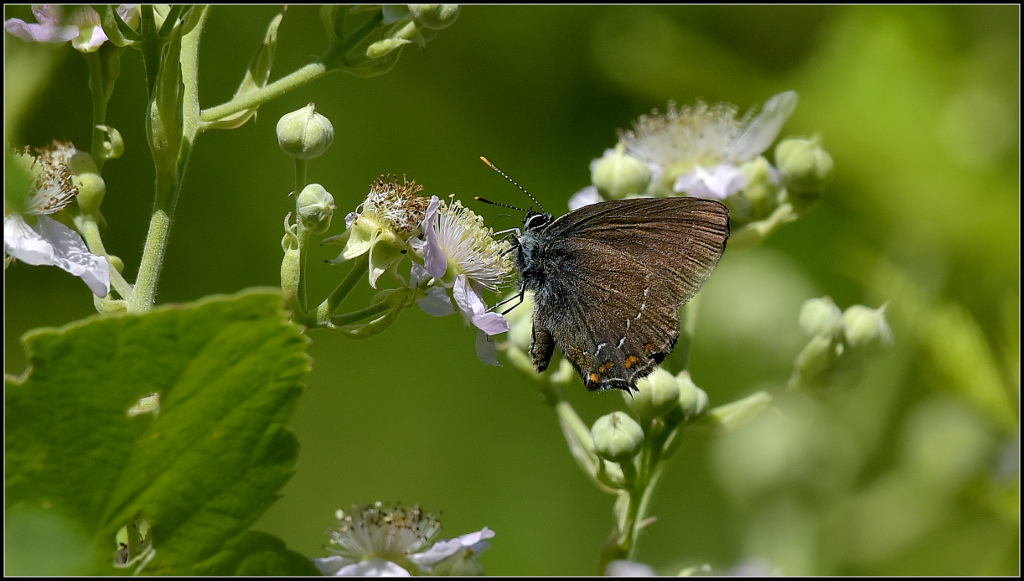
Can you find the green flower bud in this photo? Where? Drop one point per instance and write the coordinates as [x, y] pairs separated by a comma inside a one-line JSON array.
[[761, 191], [618, 174], [804, 165], [315, 208], [820, 316], [692, 399], [658, 394], [617, 437], [82, 163], [817, 358], [863, 325], [435, 16], [290, 265], [91, 189], [732, 416], [85, 177], [372, 67], [305, 134]]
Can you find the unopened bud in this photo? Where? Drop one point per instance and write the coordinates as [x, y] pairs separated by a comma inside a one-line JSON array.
[[617, 437], [305, 134], [315, 208], [618, 174]]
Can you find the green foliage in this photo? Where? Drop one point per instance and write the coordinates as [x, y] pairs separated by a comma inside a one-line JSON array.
[[228, 371]]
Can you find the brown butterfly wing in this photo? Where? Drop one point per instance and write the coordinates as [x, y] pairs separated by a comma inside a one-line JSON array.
[[617, 273]]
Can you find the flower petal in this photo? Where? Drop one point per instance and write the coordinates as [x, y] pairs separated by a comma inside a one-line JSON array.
[[447, 547], [716, 183], [54, 244], [474, 309], [624, 568], [47, 28], [331, 565], [437, 303], [90, 31], [584, 197], [24, 243], [434, 257], [337, 566], [762, 130], [485, 350]]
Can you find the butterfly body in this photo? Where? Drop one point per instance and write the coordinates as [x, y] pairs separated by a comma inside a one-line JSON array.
[[608, 280]]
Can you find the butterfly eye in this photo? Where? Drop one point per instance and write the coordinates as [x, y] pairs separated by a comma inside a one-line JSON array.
[[535, 221]]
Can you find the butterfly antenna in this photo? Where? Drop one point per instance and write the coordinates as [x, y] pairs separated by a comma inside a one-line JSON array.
[[486, 201], [514, 182]]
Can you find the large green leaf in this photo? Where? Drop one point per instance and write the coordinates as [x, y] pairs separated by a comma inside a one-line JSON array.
[[228, 371]]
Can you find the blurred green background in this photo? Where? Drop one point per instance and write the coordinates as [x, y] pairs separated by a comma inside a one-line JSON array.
[[912, 469]]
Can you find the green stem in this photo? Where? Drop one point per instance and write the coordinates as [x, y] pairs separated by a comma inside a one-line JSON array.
[[293, 80], [361, 314], [152, 261], [91, 234], [330, 304], [99, 107], [169, 180], [300, 178], [257, 97], [303, 235], [357, 36]]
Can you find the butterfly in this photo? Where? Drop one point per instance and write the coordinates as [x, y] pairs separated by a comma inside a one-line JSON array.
[[608, 280]]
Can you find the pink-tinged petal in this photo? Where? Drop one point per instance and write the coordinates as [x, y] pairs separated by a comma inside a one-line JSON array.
[[434, 258], [30, 32], [350, 219], [90, 31], [467, 299], [485, 350], [474, 309], [762, 130], [129, 13], [584, 197], [48, 29], [491, 323], [47, 14], [417, 273], [436, 303], [716, 183]]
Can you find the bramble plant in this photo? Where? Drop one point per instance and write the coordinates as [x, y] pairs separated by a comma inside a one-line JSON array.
[[150, 437]]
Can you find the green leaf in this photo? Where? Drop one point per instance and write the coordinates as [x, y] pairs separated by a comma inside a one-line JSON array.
[[228, 371]]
